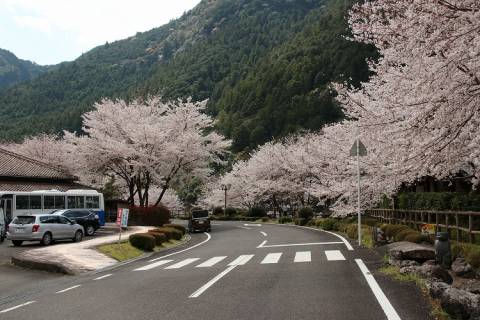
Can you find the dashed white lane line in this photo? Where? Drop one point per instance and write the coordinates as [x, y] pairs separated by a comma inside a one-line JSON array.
[[377, 291], [153, 265], [189, 248], [264, 233], [263, 244], [211, 282], [211, 262], [241, 260], [334, 255], [68, 289], [19, 306], [182, 263], [244, 227], [103, 277], [303, 256], [271, 258]]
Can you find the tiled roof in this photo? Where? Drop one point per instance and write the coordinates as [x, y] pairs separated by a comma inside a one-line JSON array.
[[6, 186], [17, 166]]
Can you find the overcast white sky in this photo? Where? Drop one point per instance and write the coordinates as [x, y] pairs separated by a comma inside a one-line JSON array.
[[52, 31]]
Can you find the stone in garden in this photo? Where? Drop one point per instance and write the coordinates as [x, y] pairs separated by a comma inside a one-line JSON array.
[[462, 268], [471, 285], [434, 271], [404, 250], [458, 303], [408, 263]]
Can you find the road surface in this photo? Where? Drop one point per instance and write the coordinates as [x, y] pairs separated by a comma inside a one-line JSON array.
[[238, 271]]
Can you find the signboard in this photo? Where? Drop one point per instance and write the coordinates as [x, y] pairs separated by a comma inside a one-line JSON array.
[[122, 217], [362, 150], [119, 216], [428, 228]]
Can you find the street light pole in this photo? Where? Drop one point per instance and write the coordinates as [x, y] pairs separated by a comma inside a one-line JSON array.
[[358, 193], [225, 187]]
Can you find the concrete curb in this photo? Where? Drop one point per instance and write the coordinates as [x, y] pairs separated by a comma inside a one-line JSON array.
[[41, 265]]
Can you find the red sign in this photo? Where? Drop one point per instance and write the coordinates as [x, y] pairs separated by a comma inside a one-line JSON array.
[[119, 216]]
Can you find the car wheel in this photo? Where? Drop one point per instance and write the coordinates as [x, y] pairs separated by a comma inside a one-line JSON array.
[[78, 236], [17, 243], [46, 239], [90, 230]]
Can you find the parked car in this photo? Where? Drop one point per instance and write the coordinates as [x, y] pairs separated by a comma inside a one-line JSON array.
[[3, 226], [45, 228], [89, 220], [199, 221]]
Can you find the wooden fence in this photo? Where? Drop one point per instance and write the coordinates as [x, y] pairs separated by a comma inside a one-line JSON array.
[[466, 224]]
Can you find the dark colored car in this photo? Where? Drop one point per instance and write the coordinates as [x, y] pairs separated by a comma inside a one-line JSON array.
[[199, 221], [89, 220]]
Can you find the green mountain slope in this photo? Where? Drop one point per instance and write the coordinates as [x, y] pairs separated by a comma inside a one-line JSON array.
[[14, 70], [264, 65]]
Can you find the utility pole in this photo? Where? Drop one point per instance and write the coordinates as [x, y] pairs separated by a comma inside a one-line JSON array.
[[358, 149], [225, 187]]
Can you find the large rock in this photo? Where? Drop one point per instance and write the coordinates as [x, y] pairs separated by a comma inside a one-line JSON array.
[[430, 272], [459, 303], [404, 250], [462, 268], [471, 285]]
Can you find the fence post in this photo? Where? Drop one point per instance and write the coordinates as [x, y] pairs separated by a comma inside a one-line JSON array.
[[446, 225], [470, 228], [457, 226], [429, 218], [436, 222]]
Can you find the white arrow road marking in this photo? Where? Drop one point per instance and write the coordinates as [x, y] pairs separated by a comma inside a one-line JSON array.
[[212, 261], [264, 234], [241, 260], [271, 258], [262, 245], [183, 263], [377, 291], [334, 255], [16, 307], [211, 282], [244, 227], [153, 265], [103, 277], [68, 289], [303, 256]]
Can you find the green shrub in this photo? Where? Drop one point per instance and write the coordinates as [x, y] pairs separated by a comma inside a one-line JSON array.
[[400, 236], [352, 231], [473, 257], [300, 221], [340, 226], [142, 241], [218, 211], [167, 231], [257, 212], [178, 227], [305, 213], [230, 212], [471, 253], [172, 233], [160, 237], [148, 216], [392, 229], [328, 224], [265, 219], [285, 220], [415, 237]]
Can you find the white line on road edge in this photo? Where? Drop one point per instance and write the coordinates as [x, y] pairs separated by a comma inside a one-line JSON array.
[[19, 306], [264, 234], [262, 245], [68, 289], [103, 277], [244, 228], [377, 291], [347, 244], [190, 248], [211, 282]]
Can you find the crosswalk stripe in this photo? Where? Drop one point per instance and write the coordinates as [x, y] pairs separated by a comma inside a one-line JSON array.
[[334, 255], [303, 256], [153, 265], [183, 263], [272, 258], [241, 260], [211, 262]]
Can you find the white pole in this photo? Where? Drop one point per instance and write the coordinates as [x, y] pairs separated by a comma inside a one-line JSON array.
[[358, 200]]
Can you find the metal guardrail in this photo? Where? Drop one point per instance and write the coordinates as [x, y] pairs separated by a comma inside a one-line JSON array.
[[463, 222]]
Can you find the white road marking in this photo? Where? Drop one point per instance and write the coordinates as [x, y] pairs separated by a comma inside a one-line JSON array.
[[103, 277], [241, 260], [377, 291], [68, 289], [347, 244], [210, 262], [264, 234], [334, 255], [244, 227], [272, 258], [262, 245], [183, 263], [211, 282], [303, 256], [153, 265], [19, 306], [190, 248], [252, 225]]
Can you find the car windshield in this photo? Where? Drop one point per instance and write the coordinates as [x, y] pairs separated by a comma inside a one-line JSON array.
[[24, 220], [200, 214]]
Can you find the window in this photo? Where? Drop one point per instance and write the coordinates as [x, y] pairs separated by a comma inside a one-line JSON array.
[[59, 202], [49, 202], [22, 202], [35, 202], [92, 202], [75, 202], [24, 220], [48, 219], [63, 220]]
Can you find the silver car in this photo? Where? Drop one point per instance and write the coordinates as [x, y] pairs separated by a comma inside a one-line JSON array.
[[44, 228]]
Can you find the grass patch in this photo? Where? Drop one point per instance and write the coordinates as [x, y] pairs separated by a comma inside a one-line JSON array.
[[120, 252], [394, 272], [170, 244]]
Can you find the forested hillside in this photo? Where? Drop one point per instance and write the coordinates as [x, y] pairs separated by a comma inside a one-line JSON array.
[[14, 70], [265, 65]]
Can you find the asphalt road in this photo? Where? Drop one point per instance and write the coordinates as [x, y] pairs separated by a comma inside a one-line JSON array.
[[239, 271]]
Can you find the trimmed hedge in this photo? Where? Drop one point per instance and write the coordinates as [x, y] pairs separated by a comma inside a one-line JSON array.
[[177, 226], [301, 221], [305, 213], [453, 201], [257, 212], [171, 233], [285, 220], [148, 216], [142, 241], [160, 237]]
